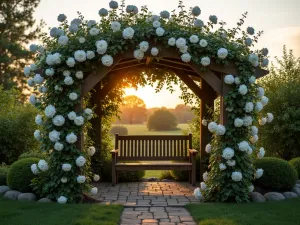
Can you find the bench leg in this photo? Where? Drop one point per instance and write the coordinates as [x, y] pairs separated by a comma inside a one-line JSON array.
[[114, 174], [194, 171], [190, 176]]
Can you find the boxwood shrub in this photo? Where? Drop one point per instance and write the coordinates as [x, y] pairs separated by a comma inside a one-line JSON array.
[[296, 164], [3, 174]]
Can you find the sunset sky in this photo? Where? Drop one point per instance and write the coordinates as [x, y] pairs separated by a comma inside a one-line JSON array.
[[279, 19]]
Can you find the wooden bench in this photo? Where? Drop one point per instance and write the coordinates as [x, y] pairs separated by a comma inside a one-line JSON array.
[[153, 152]]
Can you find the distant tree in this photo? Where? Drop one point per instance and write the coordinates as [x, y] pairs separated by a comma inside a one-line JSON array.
[[183, 113], [16, 30], [133, 110], [162, 119]]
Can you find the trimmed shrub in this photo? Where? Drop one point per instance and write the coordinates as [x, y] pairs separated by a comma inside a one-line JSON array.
[[19, 176], [121, 130], [38, 155], [183, 175], [166, 174], [162, 119], [3, 174], [278, 174], [296, 164]]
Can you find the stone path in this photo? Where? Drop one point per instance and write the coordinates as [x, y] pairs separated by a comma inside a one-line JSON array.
[[145, 194], [156, 216]]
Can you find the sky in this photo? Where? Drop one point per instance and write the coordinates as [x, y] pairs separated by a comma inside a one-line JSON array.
[[279, 19]]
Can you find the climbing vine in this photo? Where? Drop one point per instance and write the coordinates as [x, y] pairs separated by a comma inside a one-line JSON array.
[[76, 49]]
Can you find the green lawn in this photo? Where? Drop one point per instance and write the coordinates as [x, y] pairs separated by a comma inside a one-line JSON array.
[[152, 173], [25, 213], [270, 213]]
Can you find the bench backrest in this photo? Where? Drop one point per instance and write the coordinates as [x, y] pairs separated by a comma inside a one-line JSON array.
[[153, 147]]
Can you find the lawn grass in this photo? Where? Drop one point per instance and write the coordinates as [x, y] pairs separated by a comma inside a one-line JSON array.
[[141, 129], [269, 213], [152, 173], [26, 213]]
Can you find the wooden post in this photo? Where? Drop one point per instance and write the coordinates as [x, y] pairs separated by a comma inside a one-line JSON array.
[[223, 113]]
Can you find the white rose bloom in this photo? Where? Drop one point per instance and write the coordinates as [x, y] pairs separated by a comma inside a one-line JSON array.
[[64, 180], [115, 26], [144, 46], [30, 83], [222, 53], [94, 191], [62, 200], [262, 121], [205, 176], [71, 138], [154, 51], [204, 122], [208, 148], [261, 153], [80, 161], [156, 24], [128, 33], [172, 41], [53, 59], [90, 54], [222, 166], [80, 179], [270, 117], [96, 177], [101, 46], [88, 111], [50, 111], [186, 57], [243, 89], [66, 73], [70, 62], [43, 165], [258, 106], [66, 167], [94, 31], [258, 173], [43, 89], [91, 151], [248, 120], [184, 49], [238, 122], [197, 194], [243, 146], [38, 79], [220, 130], [203, 186], [58, 146], [81, 40], [237, 80], [37, 135], [205, 61], [38, 119], [73, 96], [79, 120], [260, 92], [79, 75], [264, 100], [228, 153], [194, 39], [253, 59], [249, 107], [107, 60], [236, 176], [63, 40], [32, 99], [229, 79], [252, 79], [54, 136], [180, 42], [203, 43], [34, 169], [229, 109], [138, 54], [33, 67], [58, 120], [160, 31], [251, 188], [68, 80], [58, 88], [72, 115], [80, 55], [254, 139], [230, 162], [27, 71], [265, 63], [212, 127]]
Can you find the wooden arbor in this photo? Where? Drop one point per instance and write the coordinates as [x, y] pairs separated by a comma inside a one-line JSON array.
[[211, 83]]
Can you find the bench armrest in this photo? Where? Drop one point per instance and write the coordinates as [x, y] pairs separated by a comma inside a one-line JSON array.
[[193, 151], [115, 151]]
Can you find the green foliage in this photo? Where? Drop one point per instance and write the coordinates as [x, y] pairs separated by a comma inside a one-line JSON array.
[[121, 130], [17, 29], [278, 174], [283, 90], [16, 127], [20, 175], [3, 174], [39, 155], [162, 119], [166, 174], [296, 164]]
